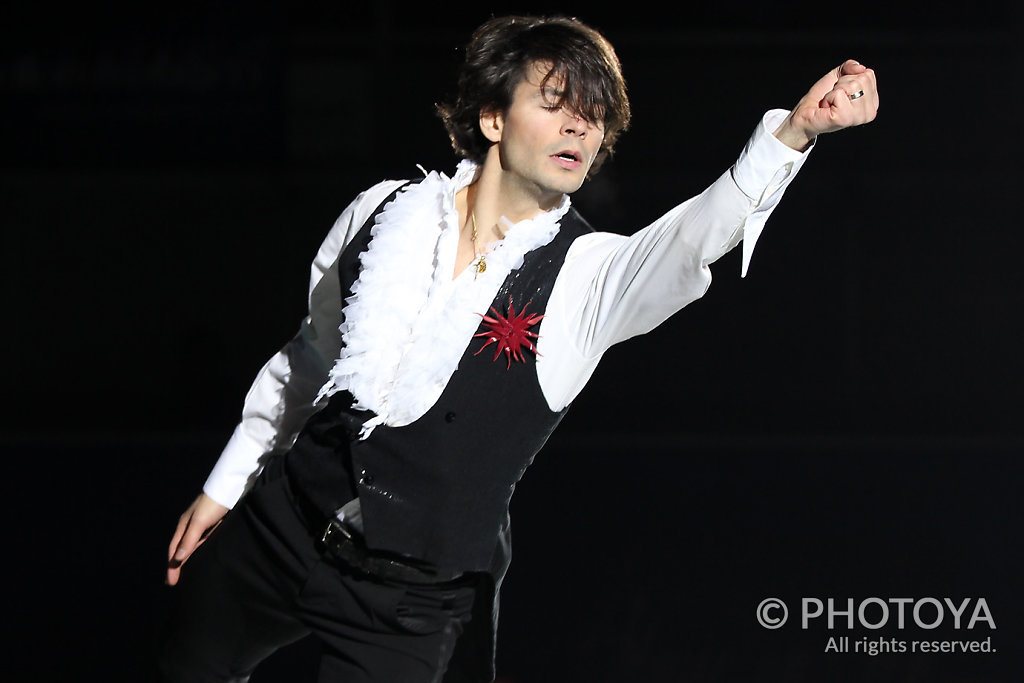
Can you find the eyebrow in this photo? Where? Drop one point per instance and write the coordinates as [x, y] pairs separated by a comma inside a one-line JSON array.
[[549, 93]]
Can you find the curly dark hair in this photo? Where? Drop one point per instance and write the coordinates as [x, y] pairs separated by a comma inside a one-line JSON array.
[[497, 58]]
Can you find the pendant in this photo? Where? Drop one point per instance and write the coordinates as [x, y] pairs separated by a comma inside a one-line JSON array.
[[481, 266]]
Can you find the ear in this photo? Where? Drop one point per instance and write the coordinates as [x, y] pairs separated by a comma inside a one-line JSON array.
[[492, 123]]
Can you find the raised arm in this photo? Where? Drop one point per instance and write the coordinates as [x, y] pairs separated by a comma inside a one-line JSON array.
[[614, 287]]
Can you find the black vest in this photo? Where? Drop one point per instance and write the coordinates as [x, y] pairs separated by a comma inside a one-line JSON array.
[[439, 489]]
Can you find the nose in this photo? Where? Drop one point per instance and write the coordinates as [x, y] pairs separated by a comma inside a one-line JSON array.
[[573, 124]]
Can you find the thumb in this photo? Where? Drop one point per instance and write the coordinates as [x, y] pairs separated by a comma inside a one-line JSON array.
[[827, 82], [835, 98], [194, 526], [850, 67], [185, 540]]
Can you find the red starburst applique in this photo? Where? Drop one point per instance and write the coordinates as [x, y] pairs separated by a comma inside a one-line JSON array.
[[509, 334]]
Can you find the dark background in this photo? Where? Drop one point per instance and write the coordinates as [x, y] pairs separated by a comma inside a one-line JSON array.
[[841, 423]]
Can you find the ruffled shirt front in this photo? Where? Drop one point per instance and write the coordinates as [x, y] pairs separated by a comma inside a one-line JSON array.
[[408, 322]]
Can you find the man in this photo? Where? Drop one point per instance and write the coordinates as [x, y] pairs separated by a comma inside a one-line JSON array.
[[452, 321]]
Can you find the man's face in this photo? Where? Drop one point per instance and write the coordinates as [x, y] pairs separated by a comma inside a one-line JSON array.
[[546, 148]]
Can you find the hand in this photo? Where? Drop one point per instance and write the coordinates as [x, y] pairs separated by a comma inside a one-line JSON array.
[[194, 526], [827, 106]]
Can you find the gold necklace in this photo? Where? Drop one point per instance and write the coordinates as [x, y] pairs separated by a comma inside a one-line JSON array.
[[481, 265]]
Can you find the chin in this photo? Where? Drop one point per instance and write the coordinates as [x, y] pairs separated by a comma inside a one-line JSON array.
[[567, 185]]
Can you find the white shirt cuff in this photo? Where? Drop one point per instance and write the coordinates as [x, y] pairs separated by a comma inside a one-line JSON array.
[[763, 169], [234, 469]]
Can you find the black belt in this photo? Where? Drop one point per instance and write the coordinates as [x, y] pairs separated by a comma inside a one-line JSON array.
[[345, 546]]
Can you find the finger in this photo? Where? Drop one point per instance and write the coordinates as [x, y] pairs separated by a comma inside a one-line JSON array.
[[821, 86], [190, 540], [182, 552], [871, 81], [834, 97], [179, 531], [850, 67], [194, 536], [863, 96], [836, 109], [859, 79], [173, 563], [854, 86]]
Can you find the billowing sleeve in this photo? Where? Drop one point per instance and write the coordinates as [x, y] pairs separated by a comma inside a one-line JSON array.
[[614, 287], [280, 399]]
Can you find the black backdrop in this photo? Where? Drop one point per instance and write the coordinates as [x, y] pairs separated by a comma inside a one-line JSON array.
[[841, 423]]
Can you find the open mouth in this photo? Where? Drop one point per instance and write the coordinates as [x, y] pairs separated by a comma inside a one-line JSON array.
[[568, 156]]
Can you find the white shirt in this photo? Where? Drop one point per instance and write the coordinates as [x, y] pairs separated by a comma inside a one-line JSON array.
[[410, 322]]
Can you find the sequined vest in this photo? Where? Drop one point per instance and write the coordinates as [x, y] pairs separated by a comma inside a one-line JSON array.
[[438, 489]]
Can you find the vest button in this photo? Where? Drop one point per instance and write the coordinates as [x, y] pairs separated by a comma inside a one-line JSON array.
[[449, 417]]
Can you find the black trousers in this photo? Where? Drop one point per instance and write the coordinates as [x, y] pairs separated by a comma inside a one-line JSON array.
[[261, 582]]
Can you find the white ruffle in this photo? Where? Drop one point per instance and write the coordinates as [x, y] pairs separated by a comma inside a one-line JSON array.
[[408, 323]]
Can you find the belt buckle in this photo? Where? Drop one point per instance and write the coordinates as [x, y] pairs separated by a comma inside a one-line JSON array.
[[335, 526]]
